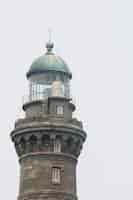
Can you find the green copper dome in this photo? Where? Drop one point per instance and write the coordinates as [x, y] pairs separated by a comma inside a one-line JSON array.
[[49, 62]]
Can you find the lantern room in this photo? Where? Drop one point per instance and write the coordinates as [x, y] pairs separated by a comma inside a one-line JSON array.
[[48, 76]]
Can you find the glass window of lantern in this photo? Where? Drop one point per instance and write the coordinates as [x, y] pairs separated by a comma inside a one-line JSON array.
[[67, 90], [41, 86], [54, 76], [62, 77], [56, 175], [33, 91]]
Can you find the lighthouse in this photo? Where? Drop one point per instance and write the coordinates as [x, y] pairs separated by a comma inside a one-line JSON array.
[[48, 140]]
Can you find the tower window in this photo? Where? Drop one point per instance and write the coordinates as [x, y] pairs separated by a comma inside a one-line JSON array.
[[56, 175], [60, 110], [57, 146]]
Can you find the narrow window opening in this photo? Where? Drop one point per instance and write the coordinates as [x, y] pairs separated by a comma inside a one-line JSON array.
[[57, 146], [60, 110], [56, 175]]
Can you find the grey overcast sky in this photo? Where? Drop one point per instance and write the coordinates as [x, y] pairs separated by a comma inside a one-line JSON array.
[[95, 37]]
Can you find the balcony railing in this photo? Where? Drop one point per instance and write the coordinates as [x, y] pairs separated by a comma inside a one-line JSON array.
[[34, 97], [38, 96]]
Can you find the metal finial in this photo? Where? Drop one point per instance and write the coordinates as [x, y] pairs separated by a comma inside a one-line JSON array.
[[49, 44], [50, 34]]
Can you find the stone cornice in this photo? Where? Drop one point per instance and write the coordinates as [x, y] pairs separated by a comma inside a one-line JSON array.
[[52, 127], [48, 155], [47, 194]]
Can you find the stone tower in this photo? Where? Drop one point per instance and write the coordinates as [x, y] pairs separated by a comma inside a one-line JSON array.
[[48, 140]]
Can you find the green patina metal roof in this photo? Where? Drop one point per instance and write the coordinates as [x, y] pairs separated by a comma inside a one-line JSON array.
[[49, 62]]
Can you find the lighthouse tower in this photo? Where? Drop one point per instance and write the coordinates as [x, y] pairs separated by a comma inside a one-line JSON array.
[[48, 140]]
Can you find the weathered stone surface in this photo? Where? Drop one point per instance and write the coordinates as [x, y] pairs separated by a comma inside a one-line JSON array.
[[35, 139], [36, 174]]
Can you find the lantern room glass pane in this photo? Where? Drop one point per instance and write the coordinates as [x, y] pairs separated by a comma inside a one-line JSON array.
[[41, 86]]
